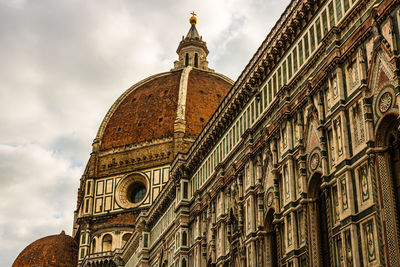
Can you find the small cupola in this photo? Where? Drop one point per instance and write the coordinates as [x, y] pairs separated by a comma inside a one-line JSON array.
[[192, 50]]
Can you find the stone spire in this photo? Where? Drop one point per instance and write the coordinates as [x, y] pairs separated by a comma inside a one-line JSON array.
[[192, 50]]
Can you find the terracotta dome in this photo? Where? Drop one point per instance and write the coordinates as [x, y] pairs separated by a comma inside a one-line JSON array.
[[148, 110], [55, 251]]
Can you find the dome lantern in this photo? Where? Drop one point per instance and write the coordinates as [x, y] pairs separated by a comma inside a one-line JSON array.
[[192, 50]]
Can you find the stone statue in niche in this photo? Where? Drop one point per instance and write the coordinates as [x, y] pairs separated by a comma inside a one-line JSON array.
[[349, 254], [258, 172], [299, 180], [284, 137], [248, 175], [376, 33], [297, 131], [361, 58], [270, 199], [298, 127], [389, 34], [234, 199], [353, 73], [302, 227], [336, 203], [361, 122], [328, 100], [286, 177], [334, 86], [339, 137], [355, 124], [332, 146], [344, 193]]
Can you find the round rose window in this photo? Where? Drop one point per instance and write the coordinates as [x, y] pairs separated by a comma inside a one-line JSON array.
[[385, 102], [136, 192], [132, 190]]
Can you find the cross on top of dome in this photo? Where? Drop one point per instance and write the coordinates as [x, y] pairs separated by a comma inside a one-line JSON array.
[[193, 19]]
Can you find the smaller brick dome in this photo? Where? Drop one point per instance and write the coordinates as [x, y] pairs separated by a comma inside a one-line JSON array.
[[54, 250]]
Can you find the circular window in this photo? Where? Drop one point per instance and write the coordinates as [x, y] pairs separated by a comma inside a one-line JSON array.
[[132, 190], [136, 192]]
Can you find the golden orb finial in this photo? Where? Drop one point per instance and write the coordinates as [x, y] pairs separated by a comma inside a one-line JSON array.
[[193, 19]]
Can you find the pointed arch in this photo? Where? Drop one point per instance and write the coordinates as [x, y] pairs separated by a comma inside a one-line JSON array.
[[267, 175], [318, 219], [380, 65], [271, 257], [311, 133], [387, 162], [107, 243]]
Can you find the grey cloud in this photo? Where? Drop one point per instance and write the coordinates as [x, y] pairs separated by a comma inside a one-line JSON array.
[[37, 189]]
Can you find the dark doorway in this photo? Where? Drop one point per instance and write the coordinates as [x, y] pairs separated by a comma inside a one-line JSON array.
[[320, 217], [271, 244], [323, 229]]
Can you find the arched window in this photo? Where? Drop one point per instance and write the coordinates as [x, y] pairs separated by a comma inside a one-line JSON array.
[[184, 238], [125, 238], [93, 246], [187, 60], [184, 263], [196, 60], [177, 240], [387, 164], [107, 243]]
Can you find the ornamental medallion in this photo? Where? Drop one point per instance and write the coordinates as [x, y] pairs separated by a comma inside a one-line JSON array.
[[385, 102], [269, 199], [314, 161]]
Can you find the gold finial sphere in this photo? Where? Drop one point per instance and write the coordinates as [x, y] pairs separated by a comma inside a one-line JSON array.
[[193, 19]]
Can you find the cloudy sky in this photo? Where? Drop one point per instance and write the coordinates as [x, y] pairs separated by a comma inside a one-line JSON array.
[[63, 64]]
